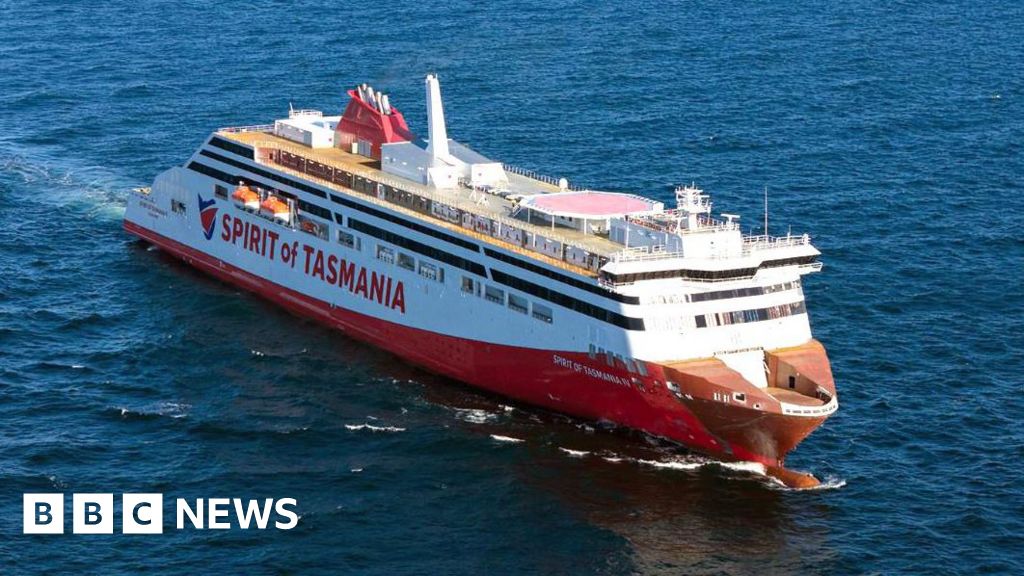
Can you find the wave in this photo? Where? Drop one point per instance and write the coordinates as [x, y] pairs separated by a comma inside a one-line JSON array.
[[173, 410], [509, 439], [475, 415], [671, 464], [58, 366], [748, 469], [574, 453], [373, 428]]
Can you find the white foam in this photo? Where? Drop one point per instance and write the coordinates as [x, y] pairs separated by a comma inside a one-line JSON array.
[[174, 409], [752, 467], [506, 439], [574, 453], [672, 464], [373, 428], [475, 415]]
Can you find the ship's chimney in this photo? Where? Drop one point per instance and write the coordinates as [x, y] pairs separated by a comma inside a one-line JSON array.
[[438, 145]]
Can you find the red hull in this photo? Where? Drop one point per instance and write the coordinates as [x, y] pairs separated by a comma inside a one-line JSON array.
[[557, 380]]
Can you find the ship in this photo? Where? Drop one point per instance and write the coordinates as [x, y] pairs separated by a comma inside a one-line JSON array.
[[605, 306]]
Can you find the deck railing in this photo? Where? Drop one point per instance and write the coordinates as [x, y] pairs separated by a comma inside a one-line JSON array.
[[751, 244], [252, 128], [556, 182]]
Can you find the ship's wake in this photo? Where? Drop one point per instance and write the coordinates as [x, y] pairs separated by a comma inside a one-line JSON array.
[[94, 191]]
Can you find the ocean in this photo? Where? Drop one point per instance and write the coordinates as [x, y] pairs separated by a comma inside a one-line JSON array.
[[890, 131]]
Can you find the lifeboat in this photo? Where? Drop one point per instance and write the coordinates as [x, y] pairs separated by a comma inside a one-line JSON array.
[[277, 209], [245, 197]]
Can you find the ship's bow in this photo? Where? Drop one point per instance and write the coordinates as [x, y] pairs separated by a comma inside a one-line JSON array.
[[759, 423]]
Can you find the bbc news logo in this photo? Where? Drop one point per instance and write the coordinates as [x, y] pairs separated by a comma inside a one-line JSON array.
[[144, 513]]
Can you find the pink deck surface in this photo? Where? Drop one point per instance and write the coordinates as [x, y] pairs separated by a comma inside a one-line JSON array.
[[590, 203]]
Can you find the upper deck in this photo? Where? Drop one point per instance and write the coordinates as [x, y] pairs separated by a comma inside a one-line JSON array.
[[369, 153], [496, 207]]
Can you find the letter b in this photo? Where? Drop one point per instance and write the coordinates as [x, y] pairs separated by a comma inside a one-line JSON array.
[[93, 514], [43, 514]]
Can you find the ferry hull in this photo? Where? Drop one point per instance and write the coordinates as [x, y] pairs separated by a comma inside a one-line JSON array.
[[569, 382]]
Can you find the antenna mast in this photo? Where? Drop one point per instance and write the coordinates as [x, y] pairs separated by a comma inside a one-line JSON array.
[[766, 210]]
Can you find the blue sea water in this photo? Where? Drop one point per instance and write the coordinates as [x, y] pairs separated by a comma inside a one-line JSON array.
[[890, 131]]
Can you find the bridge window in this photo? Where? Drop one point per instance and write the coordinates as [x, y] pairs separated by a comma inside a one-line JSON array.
[[406, 261], [752, 315], [220, 191]]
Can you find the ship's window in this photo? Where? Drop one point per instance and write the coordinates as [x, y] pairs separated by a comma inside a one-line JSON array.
[[739, 396], [630, 365], [467, 284], [518, 303], [310, 226], [494, 295], [641, 367], [609, 358], [220, 191], [406, 261], [348, 239], [314, 209], [431, 272], [792, 382], [672, 386], [702, 321], [386, 254], [177, 206], [428, 251], [591, 351], [542, 312]]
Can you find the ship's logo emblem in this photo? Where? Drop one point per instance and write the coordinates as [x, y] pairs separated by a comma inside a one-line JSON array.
[[207, 215]]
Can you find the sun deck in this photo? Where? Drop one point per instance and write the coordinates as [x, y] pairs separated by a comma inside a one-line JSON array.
[[493, 206]]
